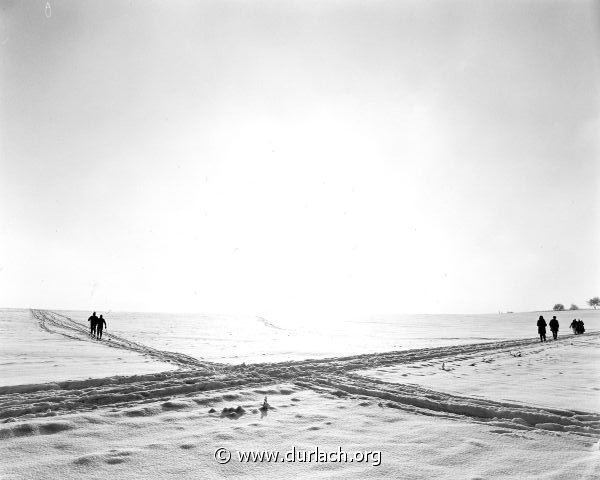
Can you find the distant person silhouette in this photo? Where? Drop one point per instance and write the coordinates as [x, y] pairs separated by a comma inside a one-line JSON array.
[[541, 324], [93, 324], [554, 327], [101, 326], [580, 327], [574, 326]]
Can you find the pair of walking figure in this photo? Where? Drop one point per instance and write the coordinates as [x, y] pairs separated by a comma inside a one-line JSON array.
[[553, 324], [96, 326], [577, 326]]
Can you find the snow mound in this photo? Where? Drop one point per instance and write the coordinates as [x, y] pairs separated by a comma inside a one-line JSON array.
[[176, 405], [112, 457], [35, 428], [233, 413], [141, 412]]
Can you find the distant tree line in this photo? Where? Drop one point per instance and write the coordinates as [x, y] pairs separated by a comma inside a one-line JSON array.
[[592, 302]]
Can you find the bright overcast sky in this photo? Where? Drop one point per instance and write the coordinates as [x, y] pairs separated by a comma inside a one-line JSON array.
[[281, 156]]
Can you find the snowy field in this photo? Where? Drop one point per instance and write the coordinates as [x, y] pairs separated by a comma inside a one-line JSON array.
[[436, 396], [29, 353], [237, 339], [564, 374]]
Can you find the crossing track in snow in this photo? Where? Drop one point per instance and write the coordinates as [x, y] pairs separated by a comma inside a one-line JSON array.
[[336, 376]]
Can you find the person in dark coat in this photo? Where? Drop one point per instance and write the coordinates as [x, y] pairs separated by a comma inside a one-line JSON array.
[[554, 327], [580, 327], [541, 324], [93, 324], [101, 326]]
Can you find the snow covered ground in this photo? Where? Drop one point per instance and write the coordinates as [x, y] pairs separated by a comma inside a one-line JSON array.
[[29, 353], [177, 439], [563, 374], [487, 414], [237, 339]]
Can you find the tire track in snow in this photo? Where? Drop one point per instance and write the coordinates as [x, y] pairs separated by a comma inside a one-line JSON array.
[[501, 414], [331, 375], [60, 324]]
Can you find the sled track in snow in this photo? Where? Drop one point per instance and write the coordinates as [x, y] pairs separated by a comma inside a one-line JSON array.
[[333, 375], [60, 324]]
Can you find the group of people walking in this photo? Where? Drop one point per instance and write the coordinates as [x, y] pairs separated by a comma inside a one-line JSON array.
[[96, 326], [576, 325]]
